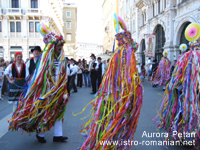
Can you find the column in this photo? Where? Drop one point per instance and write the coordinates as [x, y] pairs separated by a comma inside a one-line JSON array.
[[156, 8], [6, 49], [176, 52], [25, 48]]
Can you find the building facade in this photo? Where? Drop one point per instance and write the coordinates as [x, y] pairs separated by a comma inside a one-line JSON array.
[[167, 18], [70, 28], [18, 24], [109, 8], [84, 50]]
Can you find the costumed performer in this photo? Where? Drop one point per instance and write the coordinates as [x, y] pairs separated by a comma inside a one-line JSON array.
[[180, 106], [30, 65], [15, 74], [118, 101], [43, 103], [162, 74]]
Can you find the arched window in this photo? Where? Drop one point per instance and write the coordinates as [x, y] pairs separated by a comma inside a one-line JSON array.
[[182, 38], [143, 49], [160, 41]]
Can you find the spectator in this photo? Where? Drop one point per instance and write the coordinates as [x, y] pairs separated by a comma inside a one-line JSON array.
[[1, 77], [149, 67], [79, 75], [138, 68], [143, 71], [100, 71], [73, 71], [93, 73], [86, 74], [5, 89], [154, 68]]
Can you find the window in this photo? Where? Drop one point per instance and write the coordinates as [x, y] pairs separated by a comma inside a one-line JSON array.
[[68, 14], [68, 25], [36, 29], [31, 27], [127, 6], [12, 26], [68, 36], [158, 6], [69, 48], [164, 3], [18, 26], [15, 4], [133, 25], [142, 19], [34, 3], [153, 10], [0, 27]]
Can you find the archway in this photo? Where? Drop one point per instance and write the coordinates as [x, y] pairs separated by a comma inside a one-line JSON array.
[[160, 41], [182, 36]]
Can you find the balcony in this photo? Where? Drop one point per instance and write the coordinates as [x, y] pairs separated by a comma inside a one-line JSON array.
[[15, 34], [34, 35], [13, 11], [32, 11]]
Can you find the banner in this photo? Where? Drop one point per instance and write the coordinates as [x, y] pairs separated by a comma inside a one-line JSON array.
[[150, 43]]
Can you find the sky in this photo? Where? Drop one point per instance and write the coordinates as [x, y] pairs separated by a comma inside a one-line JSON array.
[[89, 21]]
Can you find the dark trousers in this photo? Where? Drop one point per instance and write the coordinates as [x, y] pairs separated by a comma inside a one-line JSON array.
[[72, 83], [79, 80], [94, 79], [69, 78], [99, 78]]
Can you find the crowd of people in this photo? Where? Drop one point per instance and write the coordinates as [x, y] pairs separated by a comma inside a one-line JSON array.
[[81, 73], [87, 74]]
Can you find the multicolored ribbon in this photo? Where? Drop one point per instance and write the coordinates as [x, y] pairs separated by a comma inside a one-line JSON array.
[[116, 108], [162, 75], [41, 105], [180, 106]]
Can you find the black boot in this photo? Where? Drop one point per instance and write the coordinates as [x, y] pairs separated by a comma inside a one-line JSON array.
[[41, 139], [60, 138]]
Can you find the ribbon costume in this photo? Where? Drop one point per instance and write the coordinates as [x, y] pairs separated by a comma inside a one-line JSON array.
[[180, 106], [117, 105], [162, 75], [41, 105]]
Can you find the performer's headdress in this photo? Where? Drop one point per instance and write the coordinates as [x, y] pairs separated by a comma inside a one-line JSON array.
[[49, 36], [183, 47], [192, 34], [165, 53]]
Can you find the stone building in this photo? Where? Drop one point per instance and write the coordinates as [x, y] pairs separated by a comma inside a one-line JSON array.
[[18, 24], [70, 27], [167, 18]]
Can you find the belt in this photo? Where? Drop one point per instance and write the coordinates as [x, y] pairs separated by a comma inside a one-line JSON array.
[[19, 78]]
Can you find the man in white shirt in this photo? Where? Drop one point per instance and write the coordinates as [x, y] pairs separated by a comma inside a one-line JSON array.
[[93, 73], [73, 71], [30, 65], [149, 67], [100, 70]]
